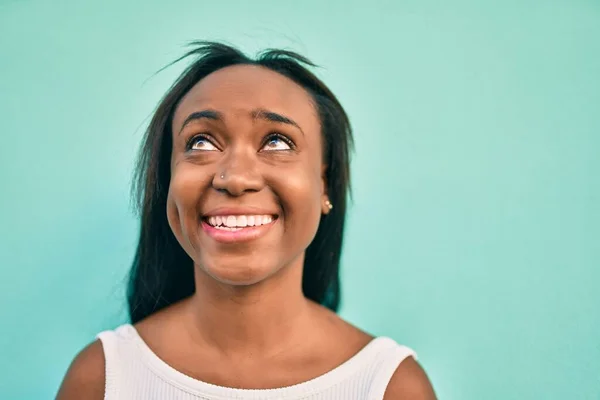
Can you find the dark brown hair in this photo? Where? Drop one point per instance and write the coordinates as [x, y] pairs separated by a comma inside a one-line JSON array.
[[162, 273]]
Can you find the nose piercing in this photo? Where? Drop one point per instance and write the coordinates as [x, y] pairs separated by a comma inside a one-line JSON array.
[[222, 176]]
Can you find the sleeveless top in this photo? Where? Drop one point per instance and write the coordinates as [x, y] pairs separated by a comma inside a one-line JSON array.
[[133, 371]]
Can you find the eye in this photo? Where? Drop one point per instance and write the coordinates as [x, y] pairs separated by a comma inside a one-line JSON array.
[[277, 142], [201, 143]]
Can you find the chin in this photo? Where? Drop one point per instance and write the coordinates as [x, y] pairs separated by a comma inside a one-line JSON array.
[[239, 272]]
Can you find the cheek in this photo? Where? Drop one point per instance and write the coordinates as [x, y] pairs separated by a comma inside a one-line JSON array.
[[184, 193], [300, 194]]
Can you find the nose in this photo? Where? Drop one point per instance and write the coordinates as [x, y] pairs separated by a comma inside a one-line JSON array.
[[238, 173]]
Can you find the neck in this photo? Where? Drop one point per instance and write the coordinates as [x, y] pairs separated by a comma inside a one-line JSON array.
[[263, 317]]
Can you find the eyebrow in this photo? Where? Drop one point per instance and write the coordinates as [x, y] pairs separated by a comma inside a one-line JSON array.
[[259, 113], [271, 116], [204, 114]]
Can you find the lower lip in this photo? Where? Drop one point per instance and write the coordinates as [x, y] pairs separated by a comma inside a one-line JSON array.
[[242, 235]]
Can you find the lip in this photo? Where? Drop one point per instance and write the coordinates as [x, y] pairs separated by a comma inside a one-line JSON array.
[[243, 235], [239, 211]]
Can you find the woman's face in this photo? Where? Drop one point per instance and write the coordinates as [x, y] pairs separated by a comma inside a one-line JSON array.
[[247, 177]]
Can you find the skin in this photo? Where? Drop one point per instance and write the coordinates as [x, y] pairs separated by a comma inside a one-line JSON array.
[[248, 321]]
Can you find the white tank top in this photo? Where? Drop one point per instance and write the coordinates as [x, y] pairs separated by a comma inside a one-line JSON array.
[[133, 371]]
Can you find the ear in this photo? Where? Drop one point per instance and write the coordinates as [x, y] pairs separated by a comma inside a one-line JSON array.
[[324, 179], [326, 205]]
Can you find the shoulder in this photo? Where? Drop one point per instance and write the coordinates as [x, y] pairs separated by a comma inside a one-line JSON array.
[[85, 376], [409, 382]]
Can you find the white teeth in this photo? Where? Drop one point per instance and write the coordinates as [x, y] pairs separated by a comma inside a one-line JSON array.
[[236, 222]]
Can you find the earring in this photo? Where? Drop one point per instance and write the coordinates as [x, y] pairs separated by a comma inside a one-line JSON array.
[[328, 204]]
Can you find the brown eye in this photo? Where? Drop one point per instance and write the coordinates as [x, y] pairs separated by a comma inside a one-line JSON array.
[[201, 143], [277, 142]]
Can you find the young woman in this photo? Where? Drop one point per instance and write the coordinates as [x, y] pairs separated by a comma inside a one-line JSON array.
[[242, 183]]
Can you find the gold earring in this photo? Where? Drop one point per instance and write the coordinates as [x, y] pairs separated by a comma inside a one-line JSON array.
[[328, 204]]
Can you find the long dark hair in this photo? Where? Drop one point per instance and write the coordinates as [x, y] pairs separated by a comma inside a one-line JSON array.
[[162, 273]]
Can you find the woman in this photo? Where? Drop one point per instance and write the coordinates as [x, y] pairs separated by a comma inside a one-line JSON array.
[[242, 183]]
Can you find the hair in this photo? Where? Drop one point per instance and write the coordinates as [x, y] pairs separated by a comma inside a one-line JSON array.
[[162, 273]]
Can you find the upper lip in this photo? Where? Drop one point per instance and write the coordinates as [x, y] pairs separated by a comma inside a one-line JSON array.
[[238, 211]]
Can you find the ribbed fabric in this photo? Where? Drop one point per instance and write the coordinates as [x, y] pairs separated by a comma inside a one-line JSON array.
[[133, 372]]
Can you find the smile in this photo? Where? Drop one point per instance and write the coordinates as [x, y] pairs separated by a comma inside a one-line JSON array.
[[237, 228], [237, 222]]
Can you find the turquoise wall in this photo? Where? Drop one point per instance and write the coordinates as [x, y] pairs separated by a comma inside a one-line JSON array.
[[475, 231]]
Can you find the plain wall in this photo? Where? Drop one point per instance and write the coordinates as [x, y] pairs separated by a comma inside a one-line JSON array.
[[474, 235]]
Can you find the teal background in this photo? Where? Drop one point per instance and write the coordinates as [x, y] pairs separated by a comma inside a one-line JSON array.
[[474, 236]]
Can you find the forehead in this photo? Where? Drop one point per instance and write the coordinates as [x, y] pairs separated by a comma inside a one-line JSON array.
[[239, 89]]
